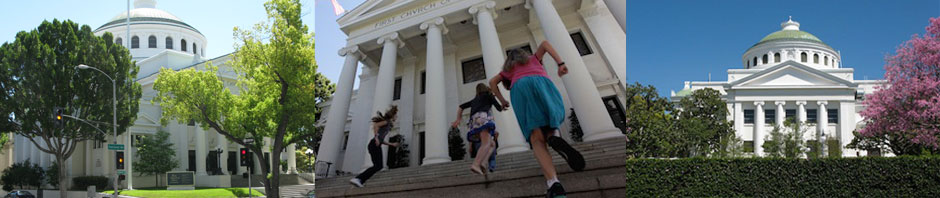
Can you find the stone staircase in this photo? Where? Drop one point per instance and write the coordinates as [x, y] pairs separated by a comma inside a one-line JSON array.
[[517, 175]]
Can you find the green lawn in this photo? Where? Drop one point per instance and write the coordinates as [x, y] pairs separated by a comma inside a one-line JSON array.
[[199, 192]]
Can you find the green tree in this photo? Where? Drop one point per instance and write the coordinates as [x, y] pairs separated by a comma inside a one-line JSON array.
[[279, 89], [455, 147], [52, 175], [787, 140], [155, 156], [651, 129], [703, 123], [23, 174], [38, 75], [4, 138], [577, 134]]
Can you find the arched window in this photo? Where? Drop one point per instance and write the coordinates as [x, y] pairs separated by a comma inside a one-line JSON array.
[[803, 57], [169, 42], [135, 42], [119, 41], [776, 57], [748, 63], [755, 61], [183, 45], [152, 42], [826, 60], [816, 58], [764, 59], [194, 48]]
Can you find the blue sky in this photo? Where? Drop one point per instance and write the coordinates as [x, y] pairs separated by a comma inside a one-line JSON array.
[[214, 18], [669, 42], [330, 39]]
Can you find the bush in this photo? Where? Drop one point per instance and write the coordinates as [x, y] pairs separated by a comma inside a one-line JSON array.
[[906, 176], [20, 175], [82, 183]]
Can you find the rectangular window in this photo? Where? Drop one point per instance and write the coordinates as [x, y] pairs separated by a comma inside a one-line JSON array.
[[473, 70], [397, 94], [423, 81], [791, 115], [770, 116], [232, 166], [346, 140], [811, 116], [526, 48], [581, 43], [748, 116], [833, 116], [748, 146], [421, 145], [616, 112], [192, 160]]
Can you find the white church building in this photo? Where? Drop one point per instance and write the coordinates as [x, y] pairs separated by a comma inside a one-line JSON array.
[[791, 74], [159, 39], [426, 57]]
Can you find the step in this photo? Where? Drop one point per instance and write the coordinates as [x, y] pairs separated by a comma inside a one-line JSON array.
[[517, 175]]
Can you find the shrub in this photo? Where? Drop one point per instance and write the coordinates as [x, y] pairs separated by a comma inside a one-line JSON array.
[[20, 175], [82, 183], [907, 176]]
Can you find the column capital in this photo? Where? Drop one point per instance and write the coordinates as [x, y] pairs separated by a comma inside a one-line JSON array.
[[436, 22], [758, 103], [801, 102], [481, 8], [780, 102], [391, 37], [351, 50], [823, 102]]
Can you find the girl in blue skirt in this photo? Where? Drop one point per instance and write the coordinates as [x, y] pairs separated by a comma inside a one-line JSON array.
[[539, 109], [482, 128]]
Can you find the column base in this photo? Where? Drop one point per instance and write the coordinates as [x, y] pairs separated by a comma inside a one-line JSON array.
[[435, 160], [202, 173], [600, 135]]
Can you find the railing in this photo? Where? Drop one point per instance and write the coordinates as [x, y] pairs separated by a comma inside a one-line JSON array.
[[323, 168]]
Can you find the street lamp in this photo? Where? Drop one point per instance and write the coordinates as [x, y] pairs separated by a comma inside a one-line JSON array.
[[113, 113], [309, 153]]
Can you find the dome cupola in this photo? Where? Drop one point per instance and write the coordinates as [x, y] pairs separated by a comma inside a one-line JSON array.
[[153, 31], [790, 43]]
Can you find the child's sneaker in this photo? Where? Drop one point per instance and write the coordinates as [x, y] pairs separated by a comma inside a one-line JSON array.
[[556, 191], [574, 158], [356, 182]]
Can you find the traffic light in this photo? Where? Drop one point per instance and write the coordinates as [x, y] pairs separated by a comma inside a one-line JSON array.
[[119, 160], [244, 157], [57, 114]]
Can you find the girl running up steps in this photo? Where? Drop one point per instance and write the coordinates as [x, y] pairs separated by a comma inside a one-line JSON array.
[[482, 128], [539, 109], [381, 125]]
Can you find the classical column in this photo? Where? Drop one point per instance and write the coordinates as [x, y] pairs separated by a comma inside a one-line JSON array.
[[801, 111], [613, 45], [618, 8], [332, 141], [385, 80], [223, 155], [292, 159], [781, 113], [846, 126], [595, 122], [354, 156], [201, 151], [823, 125], [435, 110], [738, 117], [510, 137], [759, 128]]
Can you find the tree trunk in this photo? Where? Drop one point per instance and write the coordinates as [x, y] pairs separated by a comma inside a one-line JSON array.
[[62, 177]]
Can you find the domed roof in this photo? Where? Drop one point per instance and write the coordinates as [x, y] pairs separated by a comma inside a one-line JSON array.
[[145, 12], [790, 32]]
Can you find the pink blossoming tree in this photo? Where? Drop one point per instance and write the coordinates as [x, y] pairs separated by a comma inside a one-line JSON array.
[[905, 113]]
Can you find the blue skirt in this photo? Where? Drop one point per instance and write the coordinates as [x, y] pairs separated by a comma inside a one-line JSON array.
[[537, 104]]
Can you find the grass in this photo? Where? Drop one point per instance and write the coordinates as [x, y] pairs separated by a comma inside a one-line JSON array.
[[199, 192]]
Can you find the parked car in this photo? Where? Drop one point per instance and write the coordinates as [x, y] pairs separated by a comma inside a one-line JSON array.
[[19, 194]]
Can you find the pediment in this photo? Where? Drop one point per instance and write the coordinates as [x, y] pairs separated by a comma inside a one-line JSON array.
[[145, 120], [791, 74], [368, 8]]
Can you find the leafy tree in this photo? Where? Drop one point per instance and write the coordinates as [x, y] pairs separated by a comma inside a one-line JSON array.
[[38, 75], [456, 149], [23, 174], [906, 111], [703, 123], [155, 155], [4, 138], [279, 89], [787, 140], [304, 162], [576, 133], [650, 128]]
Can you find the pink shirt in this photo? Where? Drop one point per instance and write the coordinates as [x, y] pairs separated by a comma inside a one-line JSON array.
[[532, 68]]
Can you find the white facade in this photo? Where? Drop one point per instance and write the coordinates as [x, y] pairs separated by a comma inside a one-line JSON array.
[[427, 57], [791, 74], [94, 159]]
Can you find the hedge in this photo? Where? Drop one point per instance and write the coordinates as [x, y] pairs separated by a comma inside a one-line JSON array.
[[82, 183], [906, 176]]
